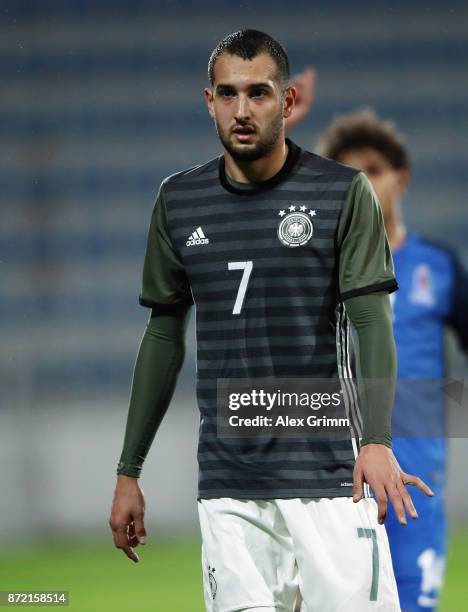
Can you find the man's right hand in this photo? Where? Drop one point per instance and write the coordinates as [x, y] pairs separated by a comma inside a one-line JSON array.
[[304, 84], [127, 516]]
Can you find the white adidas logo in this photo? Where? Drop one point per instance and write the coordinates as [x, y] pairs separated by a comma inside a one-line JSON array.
[[198, 237]]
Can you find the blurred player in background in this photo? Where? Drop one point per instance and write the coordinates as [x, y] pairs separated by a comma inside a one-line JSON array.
[[250, 238], [433, 292]]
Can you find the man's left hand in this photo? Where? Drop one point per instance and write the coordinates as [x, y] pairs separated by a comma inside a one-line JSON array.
[[377, 466]]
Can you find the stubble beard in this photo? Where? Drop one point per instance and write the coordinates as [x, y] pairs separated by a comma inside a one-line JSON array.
[[261, 148]]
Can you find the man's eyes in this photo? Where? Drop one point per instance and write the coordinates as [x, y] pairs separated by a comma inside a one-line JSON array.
[[254, 93], [227, 93], [373, 171]]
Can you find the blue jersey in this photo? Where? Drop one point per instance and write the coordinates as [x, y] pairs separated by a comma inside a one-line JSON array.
[[433, 292]]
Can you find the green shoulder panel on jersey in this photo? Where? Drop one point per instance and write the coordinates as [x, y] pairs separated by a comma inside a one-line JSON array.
[[365, 260], [165, 281], [164, 278]]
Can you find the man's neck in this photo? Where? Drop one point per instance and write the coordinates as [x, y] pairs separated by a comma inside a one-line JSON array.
[[395, 226], [259, 170], [396, 233]]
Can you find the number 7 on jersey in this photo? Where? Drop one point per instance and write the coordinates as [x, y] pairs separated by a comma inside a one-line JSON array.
[[247, 267]]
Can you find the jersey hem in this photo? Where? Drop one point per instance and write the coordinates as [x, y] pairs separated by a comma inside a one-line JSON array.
[[254, 605], [217, 493], [389, 286]]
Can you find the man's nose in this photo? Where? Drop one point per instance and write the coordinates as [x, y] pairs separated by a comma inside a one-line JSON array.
[[243, 107]]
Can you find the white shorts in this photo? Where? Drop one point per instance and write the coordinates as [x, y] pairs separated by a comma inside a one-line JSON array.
[[256, 553]]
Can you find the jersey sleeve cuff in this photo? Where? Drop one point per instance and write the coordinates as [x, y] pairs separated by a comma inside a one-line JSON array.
[[389, 286], [386, 441], [128, 469], [163, 308], [146, 303]]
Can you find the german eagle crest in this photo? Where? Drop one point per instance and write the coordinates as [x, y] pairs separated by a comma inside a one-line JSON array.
[[295, 228]]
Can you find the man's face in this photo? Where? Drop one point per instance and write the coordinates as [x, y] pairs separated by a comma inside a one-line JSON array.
[[248, 105], [388, 183]]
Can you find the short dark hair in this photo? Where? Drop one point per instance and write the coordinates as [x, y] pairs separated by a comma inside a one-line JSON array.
[[364, 129], [247, 44]]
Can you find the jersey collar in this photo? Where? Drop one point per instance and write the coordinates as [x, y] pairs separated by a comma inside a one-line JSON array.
[[250, 188]]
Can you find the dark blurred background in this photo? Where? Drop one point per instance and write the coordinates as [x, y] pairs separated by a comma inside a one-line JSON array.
[[98, 102]]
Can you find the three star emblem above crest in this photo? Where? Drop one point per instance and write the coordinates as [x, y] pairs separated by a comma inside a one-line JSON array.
[[292, 208], [296, 228]]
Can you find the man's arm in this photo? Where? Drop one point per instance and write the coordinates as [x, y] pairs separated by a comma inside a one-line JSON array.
[[376, 464], [458, 316], [371, 316], [304, 84], [157, 367], [365, 275], [165, 289]]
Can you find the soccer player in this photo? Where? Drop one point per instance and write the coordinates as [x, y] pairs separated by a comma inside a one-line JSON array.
[[278, 248], [433, 292]]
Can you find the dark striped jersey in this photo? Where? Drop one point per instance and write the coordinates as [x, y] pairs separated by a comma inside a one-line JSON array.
[[269, 267]]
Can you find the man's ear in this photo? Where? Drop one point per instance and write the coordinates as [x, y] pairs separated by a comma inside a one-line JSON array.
[[403, 178], [209, 100], [289, 99]]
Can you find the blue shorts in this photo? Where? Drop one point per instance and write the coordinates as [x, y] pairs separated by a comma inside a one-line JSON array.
[[419, 551]]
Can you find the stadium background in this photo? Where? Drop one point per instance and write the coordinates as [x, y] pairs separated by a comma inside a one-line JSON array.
[[99, 101]]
